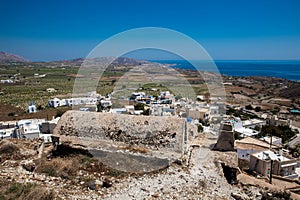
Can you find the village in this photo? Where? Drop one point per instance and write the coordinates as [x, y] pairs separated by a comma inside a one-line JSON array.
[[220, 147], [263, 154]]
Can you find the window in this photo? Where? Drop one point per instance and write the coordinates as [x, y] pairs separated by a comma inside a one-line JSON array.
[[286, 171]]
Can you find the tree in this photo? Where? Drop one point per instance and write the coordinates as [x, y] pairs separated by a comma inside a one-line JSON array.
[[11, 114], [249, 107], [237, 136], [139, 106], [59, 113], [204, 122], [295, 151], [200, 128], [257, 109], [39, 107], [284, 132], [146, 112], [177, 97]]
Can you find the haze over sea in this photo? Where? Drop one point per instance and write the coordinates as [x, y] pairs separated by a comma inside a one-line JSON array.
[[288, 69]]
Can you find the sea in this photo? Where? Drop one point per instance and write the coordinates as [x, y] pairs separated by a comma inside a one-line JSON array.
[[287, 69]]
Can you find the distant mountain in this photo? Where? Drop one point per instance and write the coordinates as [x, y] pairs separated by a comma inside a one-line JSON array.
[[8, 57], [128, 61], [120, 61]]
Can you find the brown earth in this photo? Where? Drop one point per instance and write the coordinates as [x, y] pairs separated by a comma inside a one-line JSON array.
[[11, 113]]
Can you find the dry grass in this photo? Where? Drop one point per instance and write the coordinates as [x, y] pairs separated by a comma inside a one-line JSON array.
[[9, 151], [66, 161], [24, 191], [60, 167]]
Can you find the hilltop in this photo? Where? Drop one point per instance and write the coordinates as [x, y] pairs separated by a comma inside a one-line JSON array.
[[8, 57]]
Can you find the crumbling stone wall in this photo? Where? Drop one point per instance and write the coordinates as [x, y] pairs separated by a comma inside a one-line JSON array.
[[149, 131]]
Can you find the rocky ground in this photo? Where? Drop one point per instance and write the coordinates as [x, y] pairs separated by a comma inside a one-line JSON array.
[[28, 172]]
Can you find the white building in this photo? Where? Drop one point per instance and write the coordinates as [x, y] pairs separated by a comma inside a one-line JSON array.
[[31, 108], [238, 126], [30, 128], [105, 103], [118, 110], [6, 133], [243, 131], [72, 101], [294, 141], [275, 140], [7, 81], [283, 166], [214, 110], [252, 123], [248, 145], [54, 103]]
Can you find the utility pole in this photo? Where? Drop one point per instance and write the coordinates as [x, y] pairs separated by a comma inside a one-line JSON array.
[[271, 142], [271, 137], [271, 173], [271, 170]]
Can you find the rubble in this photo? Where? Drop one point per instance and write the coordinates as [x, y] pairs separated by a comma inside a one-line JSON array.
[[161, 139], [28, 165], [78, 175]]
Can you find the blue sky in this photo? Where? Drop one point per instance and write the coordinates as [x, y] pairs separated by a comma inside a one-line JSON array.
[[231, 29]]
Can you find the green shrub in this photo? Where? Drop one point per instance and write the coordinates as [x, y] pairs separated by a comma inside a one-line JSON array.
[[200, 128], [11, 114], [19, 189], [248, 107], [49, 170]]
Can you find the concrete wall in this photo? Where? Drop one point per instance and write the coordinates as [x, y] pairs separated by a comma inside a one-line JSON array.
[[284, 171], [263, 167]]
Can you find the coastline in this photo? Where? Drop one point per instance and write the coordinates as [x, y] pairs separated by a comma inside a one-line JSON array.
[[285, 69]]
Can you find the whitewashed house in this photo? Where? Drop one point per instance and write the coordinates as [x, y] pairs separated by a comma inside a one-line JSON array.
[[252, 123], [6, 131], [275, 140], [249, 145], [30, 128], [241, 130], [72, 101], [31, 108], [105, 103], [54, 103]]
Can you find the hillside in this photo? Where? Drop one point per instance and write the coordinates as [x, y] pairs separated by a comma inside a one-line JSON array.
[[120, 61], [8, 57]]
